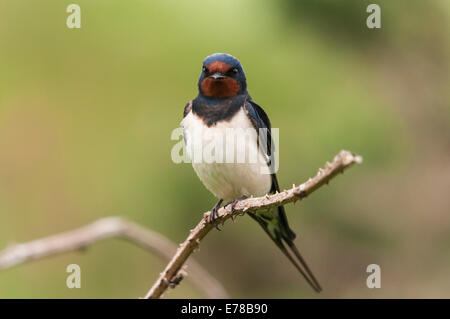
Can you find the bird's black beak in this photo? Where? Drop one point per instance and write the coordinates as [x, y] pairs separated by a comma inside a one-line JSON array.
[[217, 76]]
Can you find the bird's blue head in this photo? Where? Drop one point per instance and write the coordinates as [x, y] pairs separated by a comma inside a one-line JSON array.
[[222, 76]]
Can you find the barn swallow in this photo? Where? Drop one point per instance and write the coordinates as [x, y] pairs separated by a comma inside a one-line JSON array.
[[223, 103]]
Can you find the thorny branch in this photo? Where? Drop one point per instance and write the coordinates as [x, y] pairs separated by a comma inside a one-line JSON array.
[[340, 162]]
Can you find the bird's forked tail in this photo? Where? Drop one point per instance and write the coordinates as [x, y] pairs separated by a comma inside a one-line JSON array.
[[276, 226]]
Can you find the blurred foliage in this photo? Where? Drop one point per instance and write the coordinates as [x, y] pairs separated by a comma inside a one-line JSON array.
[[86, 117]]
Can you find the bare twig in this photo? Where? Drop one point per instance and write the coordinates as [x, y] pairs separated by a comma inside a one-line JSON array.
[[106, 228], [340, 162]]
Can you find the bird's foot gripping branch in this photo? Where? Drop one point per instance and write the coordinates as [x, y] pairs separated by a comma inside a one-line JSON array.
[[341, 161]]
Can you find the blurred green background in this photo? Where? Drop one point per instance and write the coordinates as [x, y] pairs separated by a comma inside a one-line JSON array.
[[86, 116]]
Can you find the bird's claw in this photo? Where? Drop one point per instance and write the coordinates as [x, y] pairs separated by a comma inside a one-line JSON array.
[[214, 214], [233, 204]]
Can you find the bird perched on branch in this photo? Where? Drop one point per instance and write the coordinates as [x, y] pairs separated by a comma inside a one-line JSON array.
[[223, 107]]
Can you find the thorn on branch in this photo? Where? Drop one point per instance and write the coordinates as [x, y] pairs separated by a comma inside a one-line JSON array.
[[302, 194], [175, 281]]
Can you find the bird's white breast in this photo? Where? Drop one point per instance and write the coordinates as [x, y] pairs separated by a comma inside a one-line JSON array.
[[227, 180]]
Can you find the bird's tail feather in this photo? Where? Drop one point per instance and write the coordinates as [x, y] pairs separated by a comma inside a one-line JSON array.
[[276, 226]]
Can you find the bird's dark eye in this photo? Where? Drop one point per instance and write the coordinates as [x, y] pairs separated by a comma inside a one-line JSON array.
[[204, 69], [232, 72]]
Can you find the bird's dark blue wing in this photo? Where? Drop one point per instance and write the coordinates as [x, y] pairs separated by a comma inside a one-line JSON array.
[[260, 120]]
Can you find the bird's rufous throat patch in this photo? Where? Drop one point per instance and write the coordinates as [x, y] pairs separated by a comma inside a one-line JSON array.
[[219, 88]]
